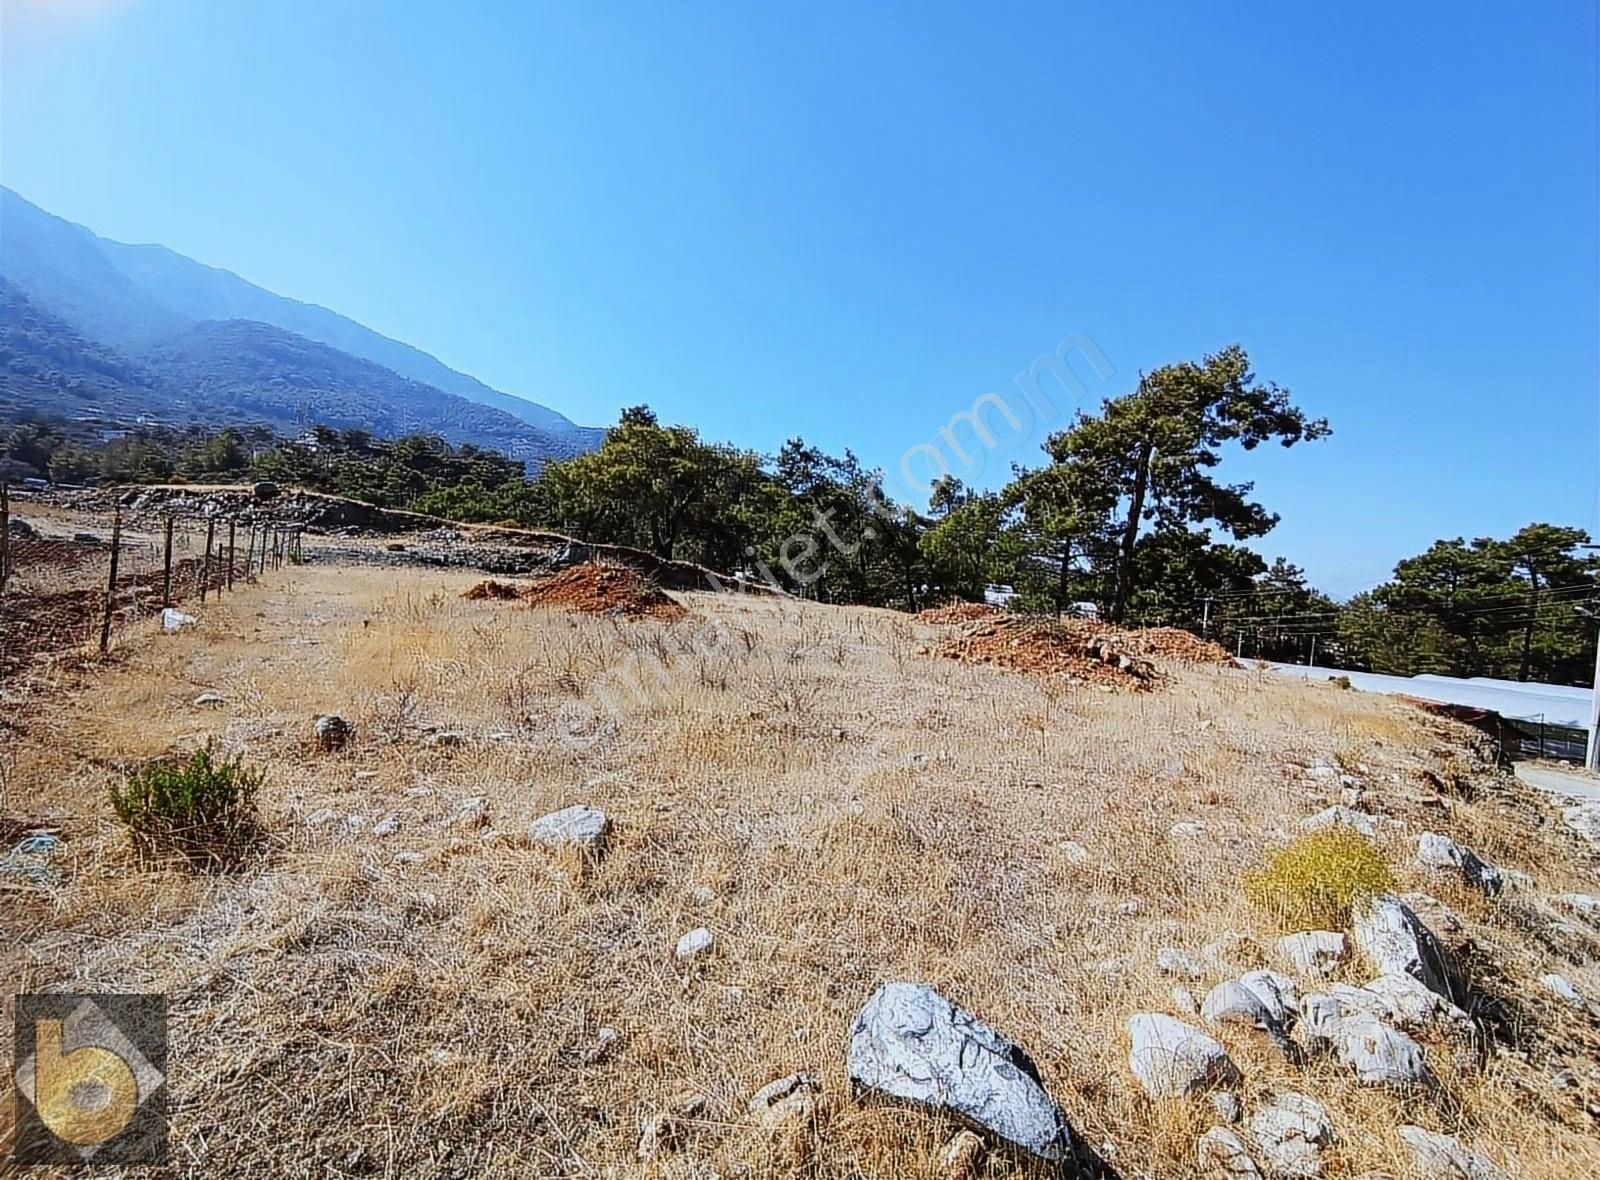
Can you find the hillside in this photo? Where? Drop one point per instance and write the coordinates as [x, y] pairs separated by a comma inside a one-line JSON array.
[[263, 373], [135, 299], [432, 968]]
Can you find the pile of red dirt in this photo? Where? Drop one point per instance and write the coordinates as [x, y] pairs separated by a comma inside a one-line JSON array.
[[1075, 649], [1174, 643], [957, 612], [489, 588], [601, 589]]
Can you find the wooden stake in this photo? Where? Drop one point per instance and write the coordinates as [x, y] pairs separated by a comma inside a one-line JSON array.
[[205, 562], [111, 581], [231, 524], [166, 566]]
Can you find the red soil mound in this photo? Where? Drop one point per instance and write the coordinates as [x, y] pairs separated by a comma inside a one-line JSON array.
[[1072, 648], [599, 589], [957, 612], [1174, 643]]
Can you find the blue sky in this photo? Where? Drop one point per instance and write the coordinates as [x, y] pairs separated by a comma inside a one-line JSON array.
[[850, 221]]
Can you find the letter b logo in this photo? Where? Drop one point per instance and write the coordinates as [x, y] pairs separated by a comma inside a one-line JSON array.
[[85, 1097]]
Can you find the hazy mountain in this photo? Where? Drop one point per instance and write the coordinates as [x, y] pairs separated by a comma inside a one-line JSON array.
[[136, 297]]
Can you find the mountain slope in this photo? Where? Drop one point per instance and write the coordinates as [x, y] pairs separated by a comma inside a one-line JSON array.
[[46, 367], [134, 296], [264, 373]]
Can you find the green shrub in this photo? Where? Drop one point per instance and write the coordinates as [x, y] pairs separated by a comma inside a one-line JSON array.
[[198, 808], [1312, 882]]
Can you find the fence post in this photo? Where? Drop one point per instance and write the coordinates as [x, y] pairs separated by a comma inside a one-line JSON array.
[[166, 566], [232, 523], [5, 536], [205, 562], [111, 580], [250, 552]]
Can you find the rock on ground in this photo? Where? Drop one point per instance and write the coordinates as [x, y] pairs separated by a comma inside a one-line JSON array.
[[1397, 942], [1333, 817], [1290, 1133], [1171, 961], [785, 1102], [332, 732], [695, 943], [581, 825], [1314, 952], [1223, 1153], [1562, 989], [1440, 854], [1379, 1055], [1444, 1157], [1170, 1058], [910, 1042], [1277, 991]]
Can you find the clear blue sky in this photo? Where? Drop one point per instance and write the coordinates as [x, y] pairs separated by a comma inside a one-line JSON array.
[[849, 221]]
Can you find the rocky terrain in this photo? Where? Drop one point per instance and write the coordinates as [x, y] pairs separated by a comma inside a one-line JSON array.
[[768, 889]]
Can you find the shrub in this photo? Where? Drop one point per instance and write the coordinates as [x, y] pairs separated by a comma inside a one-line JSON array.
[[1313, 881], [199, 808]]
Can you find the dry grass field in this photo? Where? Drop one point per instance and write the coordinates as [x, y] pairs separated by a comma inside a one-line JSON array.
[[390, 991]]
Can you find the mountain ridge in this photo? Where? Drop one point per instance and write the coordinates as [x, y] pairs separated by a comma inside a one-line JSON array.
[[135, 296]]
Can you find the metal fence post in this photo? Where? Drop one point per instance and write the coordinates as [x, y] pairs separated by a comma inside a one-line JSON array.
[[111, 580], [166, 566], [205, 562], [5, 536], [231, 525]]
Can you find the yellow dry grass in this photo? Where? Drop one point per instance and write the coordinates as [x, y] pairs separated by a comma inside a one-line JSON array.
[[838, 808]]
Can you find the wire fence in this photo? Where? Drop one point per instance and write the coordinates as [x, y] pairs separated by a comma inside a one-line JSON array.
[[72, 588]]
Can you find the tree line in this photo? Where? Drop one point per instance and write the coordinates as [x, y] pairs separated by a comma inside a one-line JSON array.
[[1126, 516]]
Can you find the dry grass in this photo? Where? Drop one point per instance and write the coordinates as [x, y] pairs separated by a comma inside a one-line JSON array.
[[428, 1003]]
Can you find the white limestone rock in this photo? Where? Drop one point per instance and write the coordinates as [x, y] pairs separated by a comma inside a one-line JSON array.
[[581, 826], [909, 1042], [1442, 855], [1170, 1058]]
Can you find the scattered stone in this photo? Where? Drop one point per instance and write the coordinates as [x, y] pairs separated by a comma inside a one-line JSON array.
[[697, 942], [1439, 917], [1277, 992], [1171, 961], [909, 1042], [785, 1102], [1130, 906], [1230, 1002], [1187, 828], [319, 817], [1073, 852], [962, 1157], [1411, 1005], [332, 732], [1319, 1016], [209, 700], [1170, 1058], [473, 812], [1379, 1055], [1585, 904], [1562, 989], [1444, 1157], [1440, 854], [1331, 817], [1321, 773], [580, 825], [1397, 942], [1227, 1105], [703, 894], [1314, 952], [1224, 1153], [1290, 1133], [387, 826], [1183, 999]]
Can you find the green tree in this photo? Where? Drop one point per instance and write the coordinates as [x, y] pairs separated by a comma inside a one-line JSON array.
[[1158, 445]]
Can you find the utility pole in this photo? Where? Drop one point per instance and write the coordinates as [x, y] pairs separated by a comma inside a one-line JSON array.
[[1205, 620], [1591, 757], [1312, 662]]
